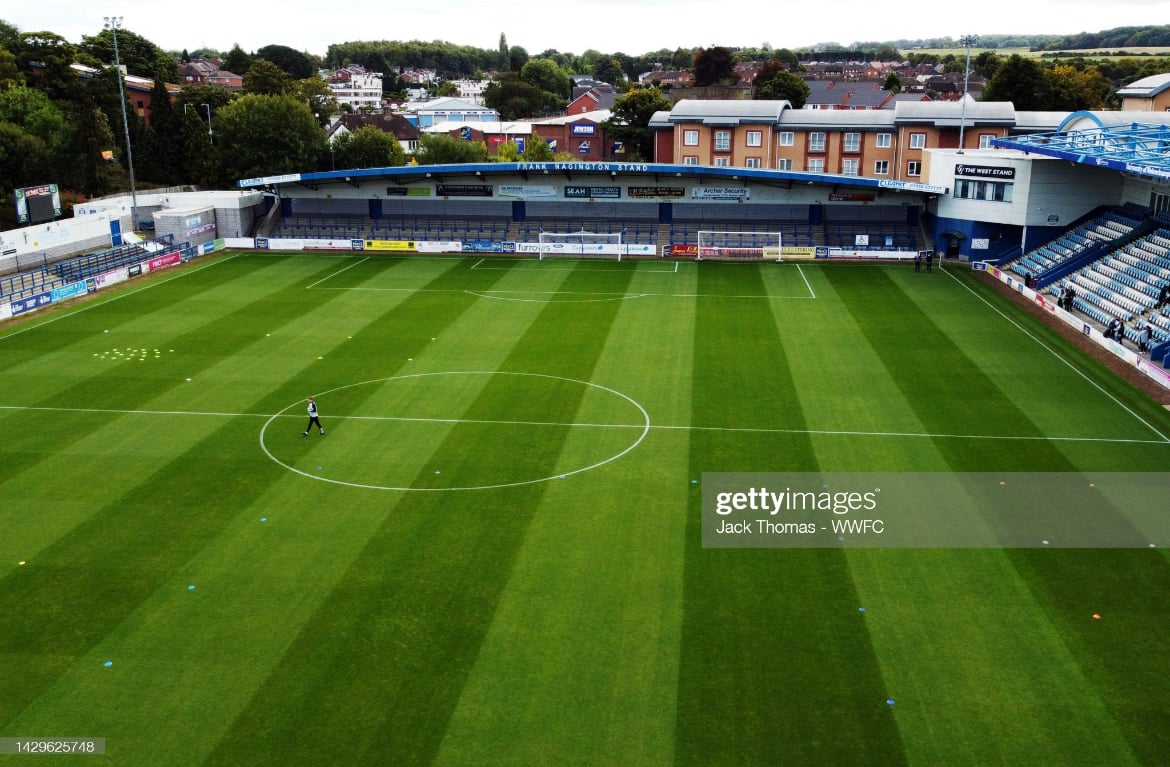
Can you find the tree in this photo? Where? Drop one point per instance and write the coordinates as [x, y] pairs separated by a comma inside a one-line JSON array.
[[9, 73], [547, 76], [515, 99], [9, 36], [294, 63], [259, 135], [507, 151], [682, 58], [138, 55], [986, 63], [536, 149], [53, 56], [200, 165], [782, 85], [237, 61], [503, 61], [714, 66], [264, 78], [630, 119], [368, 147], [1072, 89], [609, 70], [319, 96], [1020, 81], [160, 151], [441, 149], [892, 83], [517, 58]]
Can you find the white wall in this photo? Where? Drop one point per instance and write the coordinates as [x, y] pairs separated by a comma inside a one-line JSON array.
[[1045, 191]]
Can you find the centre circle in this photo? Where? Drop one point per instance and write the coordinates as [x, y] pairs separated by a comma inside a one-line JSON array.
[[387, 430]]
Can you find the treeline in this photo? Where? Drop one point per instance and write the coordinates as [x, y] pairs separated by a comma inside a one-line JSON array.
[[1120, 37]]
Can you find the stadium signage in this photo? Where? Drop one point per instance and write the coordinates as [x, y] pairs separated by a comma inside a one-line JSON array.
[[31, 303], [1146, 170], [984, 171], [528, 192], [262, 180], [580, 167], [852, 197], [408, 191], [584, 129], [69, 291], [720, 193], [591, 192], [656, 191], [911, 186], [464, 190]]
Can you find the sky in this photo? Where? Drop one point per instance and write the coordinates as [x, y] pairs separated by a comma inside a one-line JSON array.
[[569, 26]]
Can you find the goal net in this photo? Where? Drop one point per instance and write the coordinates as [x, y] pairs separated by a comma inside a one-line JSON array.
[[739, 246], [581, 244]]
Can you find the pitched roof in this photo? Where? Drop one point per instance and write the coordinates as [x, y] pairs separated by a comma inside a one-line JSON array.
[[1147, 87], [727, 112], [948, 114], [393, 123]]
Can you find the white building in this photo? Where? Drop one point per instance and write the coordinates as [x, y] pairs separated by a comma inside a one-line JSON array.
[[362, 91]]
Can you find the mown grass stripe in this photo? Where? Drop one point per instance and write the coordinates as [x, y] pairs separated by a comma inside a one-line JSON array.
[[585, 638], [77, 590], [926, 362], [776, 664], [404, 628], [110, 565]]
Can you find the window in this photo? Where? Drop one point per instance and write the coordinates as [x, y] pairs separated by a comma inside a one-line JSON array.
[[852, 142], [722, 140], [914, 168], [884, 141], [881, 168], [752, 162], [784, 163], [816, 141], [990, 191], [850, 167], [723, 162], [917, 140], [690, 160], [985, 140], [787, 138], [690, 138], [755, 138], [816, 165]]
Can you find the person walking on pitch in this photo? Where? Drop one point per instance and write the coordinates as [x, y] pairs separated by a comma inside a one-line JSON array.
[[313, 418]]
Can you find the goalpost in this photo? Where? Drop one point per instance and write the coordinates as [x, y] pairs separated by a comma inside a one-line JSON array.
[[740, 246], [581, 244]]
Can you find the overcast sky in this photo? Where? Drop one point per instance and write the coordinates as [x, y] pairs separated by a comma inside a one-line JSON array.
[[572, 26]]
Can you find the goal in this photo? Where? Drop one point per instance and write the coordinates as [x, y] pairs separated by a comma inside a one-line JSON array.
[[740, 246], [581, 244]]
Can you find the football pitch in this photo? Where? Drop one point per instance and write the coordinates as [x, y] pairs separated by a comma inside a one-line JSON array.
[[492, 555]]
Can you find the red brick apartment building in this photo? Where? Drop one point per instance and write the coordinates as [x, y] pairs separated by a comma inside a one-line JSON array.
[[874, 143]]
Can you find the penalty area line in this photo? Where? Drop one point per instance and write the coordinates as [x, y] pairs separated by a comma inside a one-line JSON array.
[[339, 271]]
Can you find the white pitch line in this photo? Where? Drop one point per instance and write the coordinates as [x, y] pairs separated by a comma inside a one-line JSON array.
[[116, 297], [339, 271], [575, 293], [1057, 355], [559, 424], [811, 292]]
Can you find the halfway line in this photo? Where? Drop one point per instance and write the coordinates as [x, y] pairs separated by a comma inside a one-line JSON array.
[[660, 427]]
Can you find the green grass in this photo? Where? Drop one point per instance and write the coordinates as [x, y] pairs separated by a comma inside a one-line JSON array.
[[491, 558]]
